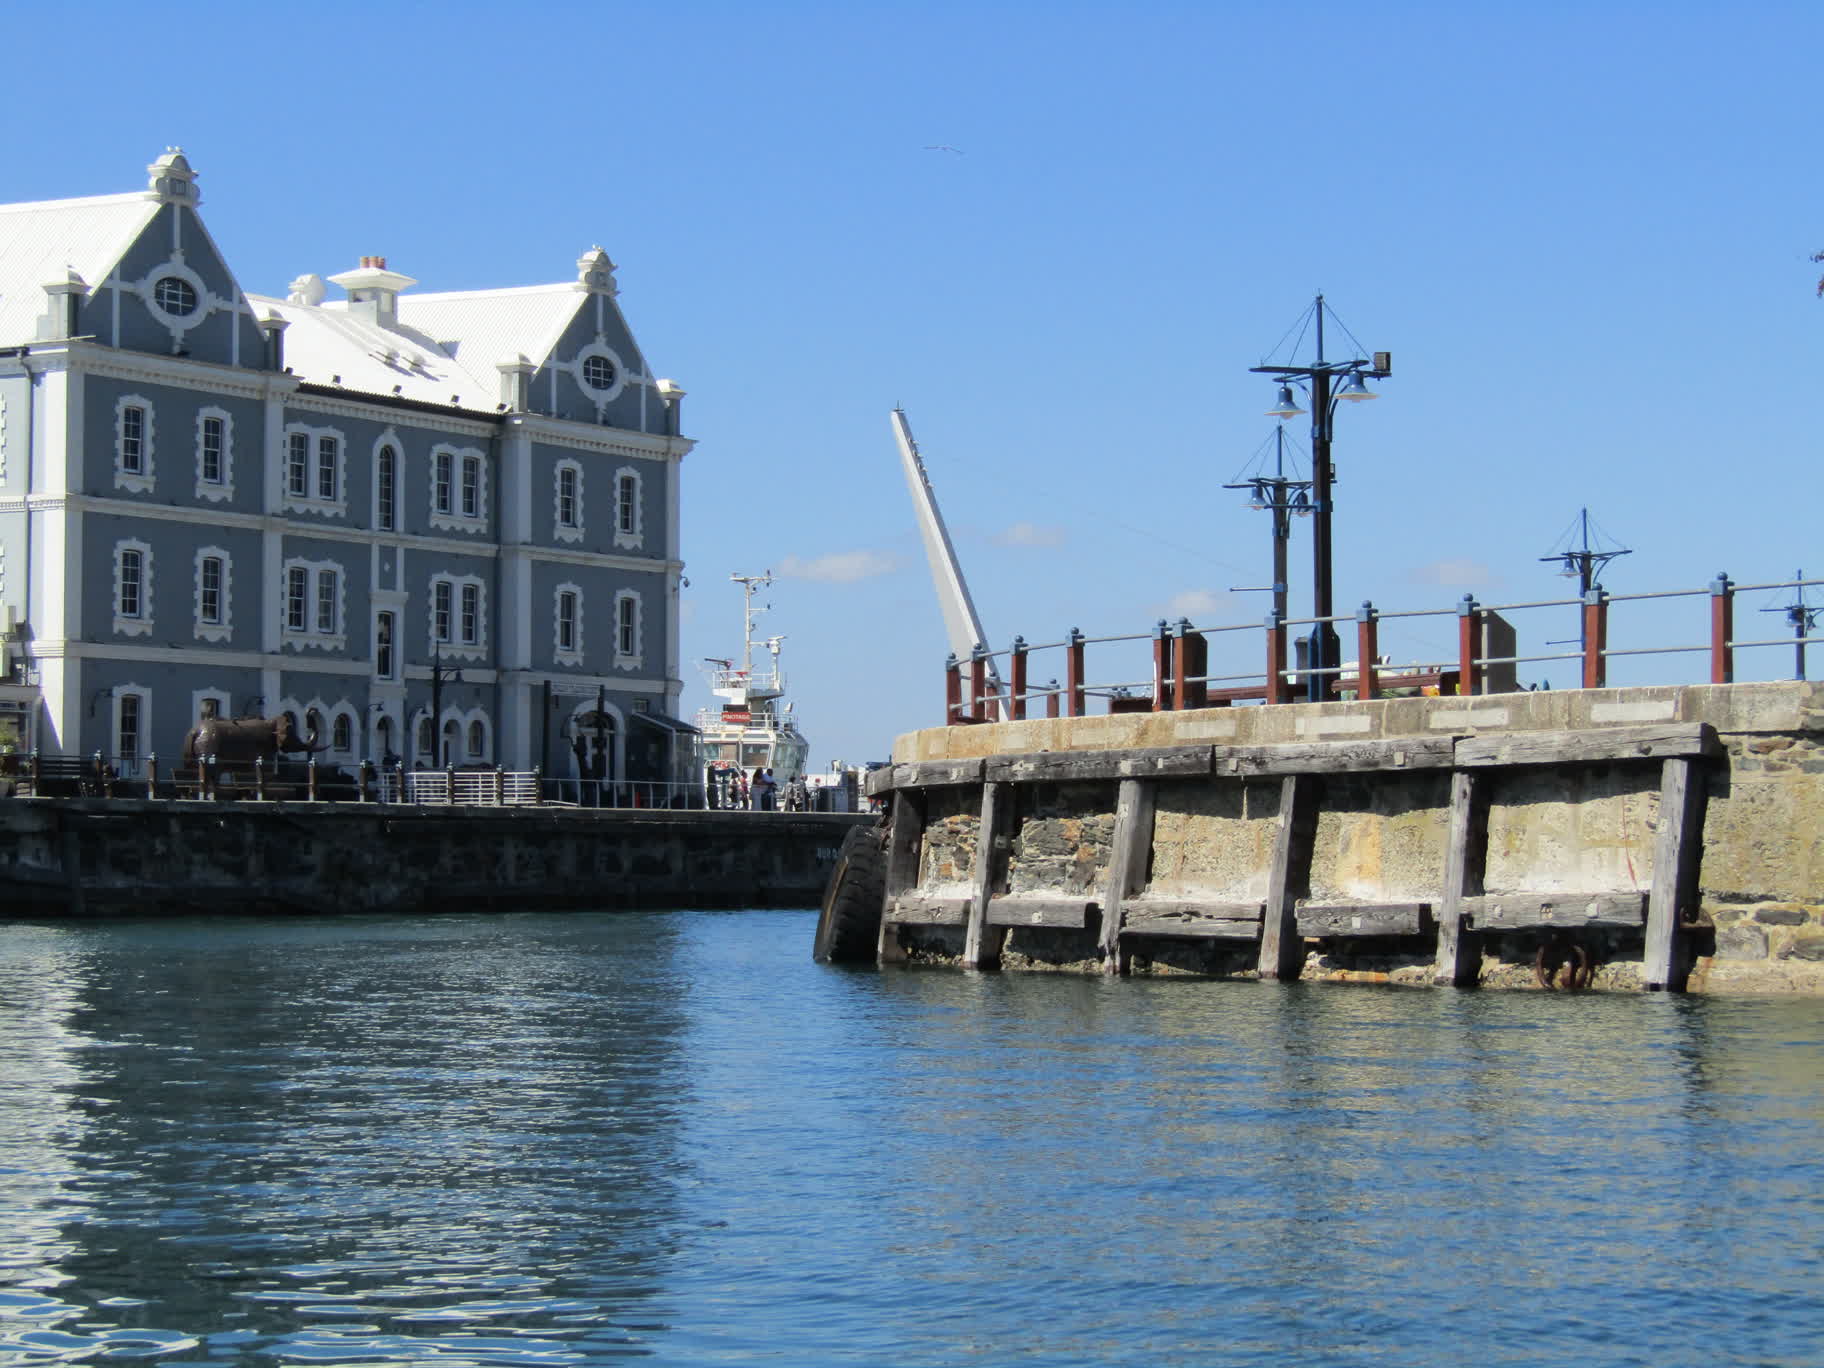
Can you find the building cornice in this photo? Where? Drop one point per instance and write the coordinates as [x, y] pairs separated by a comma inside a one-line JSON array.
[[586, 437], [313, 398]]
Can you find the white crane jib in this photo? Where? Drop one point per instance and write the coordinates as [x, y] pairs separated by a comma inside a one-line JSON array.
[[961, 624]]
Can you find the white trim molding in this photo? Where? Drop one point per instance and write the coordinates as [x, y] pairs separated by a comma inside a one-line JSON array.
[[625, 537], [452, 643], [313, 451], [463, 461], [571, 531], [573, 653], [312, 635], [137, 622], [137, 481], [629, 621], [222, 489], [221, 627]]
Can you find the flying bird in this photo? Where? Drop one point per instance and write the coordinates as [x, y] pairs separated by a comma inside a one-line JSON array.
[[943, 147]]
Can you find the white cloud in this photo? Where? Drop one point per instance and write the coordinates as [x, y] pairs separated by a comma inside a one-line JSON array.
[[1195, 604], [839, 567], [1030, 534], [1460, 573]]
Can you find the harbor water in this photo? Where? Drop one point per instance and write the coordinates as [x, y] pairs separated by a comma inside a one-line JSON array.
[[582, 1138]]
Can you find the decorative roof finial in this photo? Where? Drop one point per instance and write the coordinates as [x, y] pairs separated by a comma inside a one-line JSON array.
[[172, 179], [595, 272]]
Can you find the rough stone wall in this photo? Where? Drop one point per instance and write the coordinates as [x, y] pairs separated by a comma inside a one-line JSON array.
[[1061, 840], [1214, 839]]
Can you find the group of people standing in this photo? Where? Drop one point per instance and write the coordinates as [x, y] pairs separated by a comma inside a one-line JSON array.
[[764, 793]]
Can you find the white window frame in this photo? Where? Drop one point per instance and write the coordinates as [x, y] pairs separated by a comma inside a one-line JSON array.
[[571, 531], [453, 646], [129, 764], [311, 637], [468, 615], [134, 481], [447, 498], [138, 623], [222, 629], [392, 646], [215, 491], [573, 653], [344, 716], [634, 540], [389, 441], [628, 601], [311, 499]]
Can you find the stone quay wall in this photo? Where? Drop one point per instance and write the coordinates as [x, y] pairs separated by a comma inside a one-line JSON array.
[[94, 857], [1563, 820]]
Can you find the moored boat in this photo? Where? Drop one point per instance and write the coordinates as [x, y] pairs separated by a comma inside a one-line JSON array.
[[753, 729]]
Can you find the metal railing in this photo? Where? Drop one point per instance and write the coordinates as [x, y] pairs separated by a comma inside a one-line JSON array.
[[1180, 675]]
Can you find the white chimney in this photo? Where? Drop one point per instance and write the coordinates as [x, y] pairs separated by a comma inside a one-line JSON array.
[[373, 291]]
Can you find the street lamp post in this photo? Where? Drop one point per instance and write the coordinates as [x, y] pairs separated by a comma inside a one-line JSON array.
[[1330, 382], [438, 675], [1282, 496]]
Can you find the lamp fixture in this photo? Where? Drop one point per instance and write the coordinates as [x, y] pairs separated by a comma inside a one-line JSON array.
[[1287, 407]]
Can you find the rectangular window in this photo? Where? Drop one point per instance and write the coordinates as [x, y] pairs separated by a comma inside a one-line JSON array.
[[297, 465], [209, 598], [387, 476], [440, 611], [471, 613], [629, 625], [383, 645], [127, 745], [132, 578], [629, 502], [329, 451], [566, 621], [566, 497], [471, 487], [212, 440], [442, 491], [133, 439], [327, 582], [297, 591]]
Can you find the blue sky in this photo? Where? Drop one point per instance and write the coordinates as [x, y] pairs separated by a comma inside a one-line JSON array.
[[1582, 230]]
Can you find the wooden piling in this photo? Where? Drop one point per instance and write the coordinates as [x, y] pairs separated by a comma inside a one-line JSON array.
[[982, 942], [1282, 949], [1127, 866], [905, 847], [1676, 846], [1459, 962]]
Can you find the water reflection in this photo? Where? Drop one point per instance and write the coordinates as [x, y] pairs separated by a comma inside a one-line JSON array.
[[540, 1139]]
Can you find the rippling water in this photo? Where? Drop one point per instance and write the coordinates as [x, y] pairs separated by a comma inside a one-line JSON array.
[[570, 1139]]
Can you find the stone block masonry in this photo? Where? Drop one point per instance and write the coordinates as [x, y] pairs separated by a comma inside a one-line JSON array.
[[1634, 838], [93, 857]]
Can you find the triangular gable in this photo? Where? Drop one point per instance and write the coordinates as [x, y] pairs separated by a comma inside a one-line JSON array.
[[43, 243]]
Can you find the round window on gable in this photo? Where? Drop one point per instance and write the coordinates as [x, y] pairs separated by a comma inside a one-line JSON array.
[[174, 295], [598, 373]]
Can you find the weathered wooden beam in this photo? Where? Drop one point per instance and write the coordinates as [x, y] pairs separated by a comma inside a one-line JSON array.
[[1282, 952], [982, 943], [1364, 919], [1656, 742], [1195, 928], [877, 783], [1459, 962], [1030, 909], [1059, 767], [905, 848], [1528, 911], [1127, 865], [1192, 917], [1335, 757], [1682, 796], [937, 773], [927, 909]]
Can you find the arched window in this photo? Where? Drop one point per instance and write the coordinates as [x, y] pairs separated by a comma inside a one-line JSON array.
[[313, 723], [343, 734], [383, 739], [477, 741], [452, 742], [424, 739]]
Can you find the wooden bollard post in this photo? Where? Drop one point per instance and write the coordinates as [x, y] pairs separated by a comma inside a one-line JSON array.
[[449, 785], [1190, 665], [1722, 630], [1073, 674], [1469, 641], [1162, 667], [1367, 651], [152, 775], [538, 783], [1276, 659], [1595, 638], [310, 779], [1016, 680], [259, 778], [953, 690], [102, 785], [500, 787]]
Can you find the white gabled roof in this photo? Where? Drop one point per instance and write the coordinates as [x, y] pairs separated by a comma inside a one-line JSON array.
[[328, 345], [43, 242], [492, 326]]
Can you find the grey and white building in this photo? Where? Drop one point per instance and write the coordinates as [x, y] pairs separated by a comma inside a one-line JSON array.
[[218, 502]]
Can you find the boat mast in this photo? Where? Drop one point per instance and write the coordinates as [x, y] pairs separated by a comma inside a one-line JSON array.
[[961, 624], [749, 584]]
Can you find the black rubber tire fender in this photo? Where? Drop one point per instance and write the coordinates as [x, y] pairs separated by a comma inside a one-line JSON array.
[[848, 929]]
